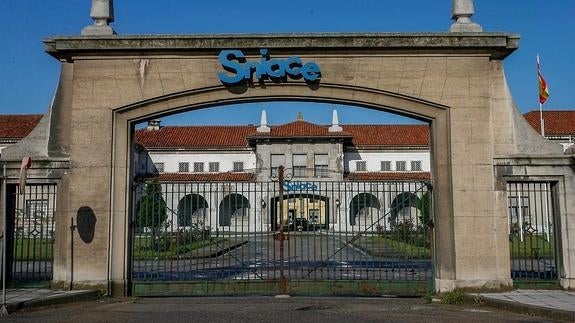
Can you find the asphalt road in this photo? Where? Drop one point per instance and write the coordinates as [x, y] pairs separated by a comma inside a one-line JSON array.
[[267, 309], [307, 256]]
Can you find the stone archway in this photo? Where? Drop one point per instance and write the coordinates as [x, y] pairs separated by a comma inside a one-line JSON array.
[[454, 82], [436, 115]]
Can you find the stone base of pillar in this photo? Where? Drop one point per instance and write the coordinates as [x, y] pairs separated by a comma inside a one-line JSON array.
[[101, 286], [120, 288], [567, 283], [446, 285], [470, 27], [97, 31]]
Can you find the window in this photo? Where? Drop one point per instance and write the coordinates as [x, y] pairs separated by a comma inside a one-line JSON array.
[[361, 166], [276, 161], [320, 165], [400, 165], [415, 165], [299, 165], [385, 165], [184, 167], [313, 216], [238, 166], [214, 167], [159, 167], [198, 167]]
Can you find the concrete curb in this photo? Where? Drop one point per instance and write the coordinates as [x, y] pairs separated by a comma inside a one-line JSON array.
[[515, 307], [81, 296]]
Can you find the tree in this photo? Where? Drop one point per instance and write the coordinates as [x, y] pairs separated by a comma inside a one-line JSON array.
[[152, 210], [424, 207]]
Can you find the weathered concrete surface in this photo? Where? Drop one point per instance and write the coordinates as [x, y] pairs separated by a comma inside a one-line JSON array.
[[265, 309], [496, 45], [454, 81]]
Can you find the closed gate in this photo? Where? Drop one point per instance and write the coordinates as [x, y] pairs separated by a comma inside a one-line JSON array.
[[301, 238], [30, 228], [532, 239]]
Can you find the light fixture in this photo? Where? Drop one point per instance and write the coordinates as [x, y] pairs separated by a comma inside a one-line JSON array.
[[263, 204], [337, 202]]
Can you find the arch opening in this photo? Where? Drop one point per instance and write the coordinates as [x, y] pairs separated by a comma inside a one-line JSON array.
[[234, 210], [364, 209], [192, 210]]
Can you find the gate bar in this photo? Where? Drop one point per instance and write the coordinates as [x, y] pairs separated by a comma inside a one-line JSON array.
[[4, 311]]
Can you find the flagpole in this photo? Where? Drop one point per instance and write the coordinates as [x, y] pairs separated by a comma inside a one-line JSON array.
[[543, 95], [541, 119]]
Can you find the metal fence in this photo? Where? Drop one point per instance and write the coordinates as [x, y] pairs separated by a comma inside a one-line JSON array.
[[532, 240], [306, 231], [31, 224]]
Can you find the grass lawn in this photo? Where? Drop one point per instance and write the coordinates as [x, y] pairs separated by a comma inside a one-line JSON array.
[[409, 250], [144, 248], [532, 246], [33, 249]]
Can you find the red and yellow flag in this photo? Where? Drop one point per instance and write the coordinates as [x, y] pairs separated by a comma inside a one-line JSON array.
[[543, 89]]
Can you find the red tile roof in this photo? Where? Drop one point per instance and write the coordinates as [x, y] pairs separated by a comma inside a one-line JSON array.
[[206, 177], [389, 135], [299, 129], [557, 123], [195, 137], [228, 137], [17, 126], [387, 176]]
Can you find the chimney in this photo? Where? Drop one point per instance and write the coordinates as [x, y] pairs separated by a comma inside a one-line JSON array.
[[335, 123], [263, 123], [154, 124]]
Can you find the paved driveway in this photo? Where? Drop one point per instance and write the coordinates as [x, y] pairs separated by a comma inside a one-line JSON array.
[[307, 256], [267, 309]]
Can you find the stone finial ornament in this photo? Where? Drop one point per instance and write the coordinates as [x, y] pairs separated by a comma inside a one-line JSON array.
[[461, 12], [263, 123], [334, 123], [102, 12]]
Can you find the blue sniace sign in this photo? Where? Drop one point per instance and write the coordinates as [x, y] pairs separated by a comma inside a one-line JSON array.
[[299, 186], [239, 70]]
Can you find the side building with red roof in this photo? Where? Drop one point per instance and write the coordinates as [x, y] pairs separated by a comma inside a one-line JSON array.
[[559, 125], [14, 127]]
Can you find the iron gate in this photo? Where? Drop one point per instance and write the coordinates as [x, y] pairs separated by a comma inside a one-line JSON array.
[[532, 240], [30, 227], [300, 237]]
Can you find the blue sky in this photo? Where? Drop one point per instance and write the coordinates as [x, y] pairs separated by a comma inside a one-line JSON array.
[[29, 76]]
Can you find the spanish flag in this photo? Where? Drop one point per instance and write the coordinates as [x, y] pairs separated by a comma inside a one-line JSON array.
[[543, 89]]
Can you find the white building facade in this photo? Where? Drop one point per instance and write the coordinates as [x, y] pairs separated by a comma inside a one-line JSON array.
[[343, 178]]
